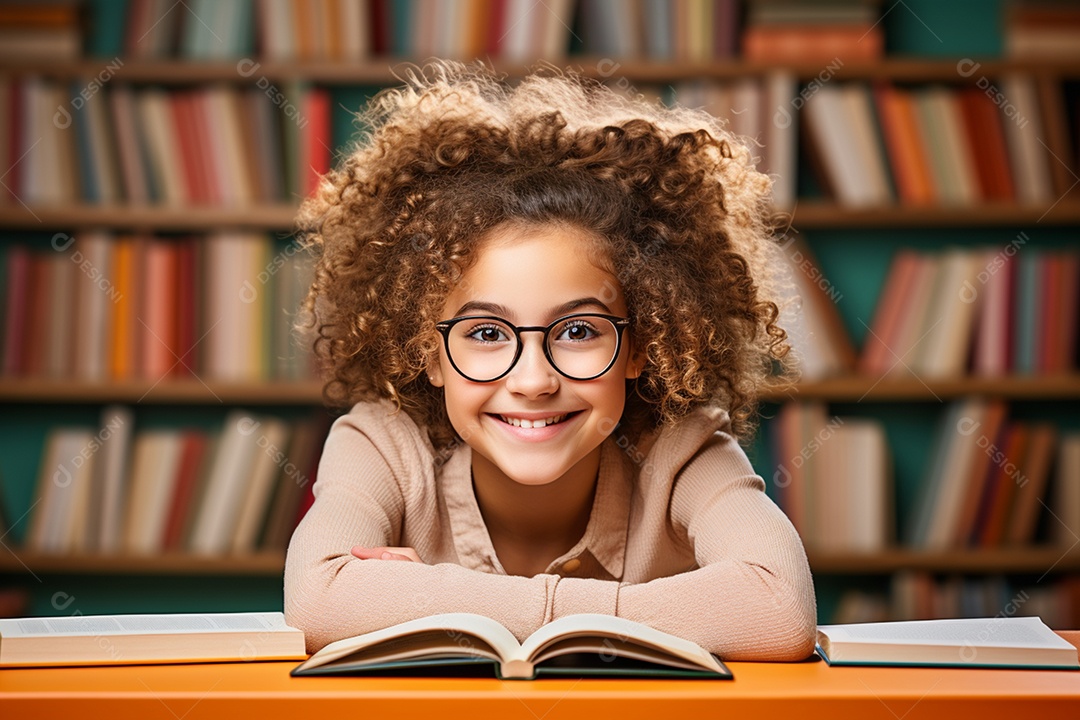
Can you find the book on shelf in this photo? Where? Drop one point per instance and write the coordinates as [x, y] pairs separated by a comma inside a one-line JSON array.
[[472, 645], [40, 31], [791, 31], [114, 490], [873, 144], [834, 479], [976, 311], [927, 595], [218, 307], [1042, 30], [148, 639], [213, 146], [1010, 642]]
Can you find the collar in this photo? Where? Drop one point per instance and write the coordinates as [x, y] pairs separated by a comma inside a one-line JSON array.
[[605, 535]]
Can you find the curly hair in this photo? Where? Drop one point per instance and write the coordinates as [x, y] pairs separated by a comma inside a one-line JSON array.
[[457, 151]]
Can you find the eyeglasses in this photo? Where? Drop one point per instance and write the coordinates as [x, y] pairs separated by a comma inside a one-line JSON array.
[[485, 348]]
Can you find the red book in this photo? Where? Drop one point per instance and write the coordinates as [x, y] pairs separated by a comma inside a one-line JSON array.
[[19, 284], [1003, 485], [986, 136], [190, 151], [191, 460], [904, 144], [158, 313], [201, 124], [495, 28], [40, 310], [880, 349], [380, 27], [799, 43], [982, 473], [316, 139], [186, 310]]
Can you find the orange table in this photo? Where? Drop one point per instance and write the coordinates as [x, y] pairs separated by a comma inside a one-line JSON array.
[[802, 691]]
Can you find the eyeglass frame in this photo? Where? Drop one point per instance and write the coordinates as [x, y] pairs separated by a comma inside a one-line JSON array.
[[620, 323]]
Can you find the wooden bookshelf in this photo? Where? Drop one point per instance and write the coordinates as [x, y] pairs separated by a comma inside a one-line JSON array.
[[387, 70], [807, 216], [856, 388], [842, 389], [178, 391], [149, 217], [1036, 560], [18, 562]]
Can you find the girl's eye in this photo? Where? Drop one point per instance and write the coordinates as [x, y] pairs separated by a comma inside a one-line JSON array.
[[577, 331], [488, 334]]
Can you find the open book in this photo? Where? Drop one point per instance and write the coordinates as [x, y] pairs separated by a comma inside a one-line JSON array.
[[969, 642], [137, 639], [471, 645]]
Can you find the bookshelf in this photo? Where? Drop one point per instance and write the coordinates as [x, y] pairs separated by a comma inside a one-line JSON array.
[[837, 233]]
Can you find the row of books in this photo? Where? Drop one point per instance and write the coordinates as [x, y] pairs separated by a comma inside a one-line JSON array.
[[985, 312], [833, 478], [996, 140], [991, 481], [99, 307], [216, 146], [116, 489], [40, 31], [917, 595], [995, 481], [1042, 30], [351, 30]]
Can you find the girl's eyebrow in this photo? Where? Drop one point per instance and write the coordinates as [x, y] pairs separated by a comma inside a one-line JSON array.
[[505, 312]]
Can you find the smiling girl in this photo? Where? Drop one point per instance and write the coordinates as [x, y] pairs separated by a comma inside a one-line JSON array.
[[549, 308]]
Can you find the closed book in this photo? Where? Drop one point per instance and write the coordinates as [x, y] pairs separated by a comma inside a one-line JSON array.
[[472, 645], [1004, 485], [271, 439], [227, 483], [964, 642], [905, 145], [822, 43], [1031, 485], [880, 349], [192, 459], [148, 639], [985, 136], [154, 470]]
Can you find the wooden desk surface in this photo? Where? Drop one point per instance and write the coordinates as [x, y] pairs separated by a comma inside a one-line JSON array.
[[805, 691]]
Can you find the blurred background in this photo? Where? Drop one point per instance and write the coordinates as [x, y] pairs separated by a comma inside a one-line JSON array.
[[160, 428]]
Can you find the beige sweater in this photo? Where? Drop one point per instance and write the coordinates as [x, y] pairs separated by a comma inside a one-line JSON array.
[[683, 539]]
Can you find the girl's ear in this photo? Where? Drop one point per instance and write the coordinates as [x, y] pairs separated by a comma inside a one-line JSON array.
[[636, 365], [434, 374]]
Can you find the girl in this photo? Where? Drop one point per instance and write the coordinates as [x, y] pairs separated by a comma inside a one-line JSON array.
[[549, 308]]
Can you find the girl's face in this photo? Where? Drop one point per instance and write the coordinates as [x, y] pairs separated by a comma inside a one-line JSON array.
[[530, 277]]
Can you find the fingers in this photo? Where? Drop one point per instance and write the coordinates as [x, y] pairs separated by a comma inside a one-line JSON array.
[[386, 553]]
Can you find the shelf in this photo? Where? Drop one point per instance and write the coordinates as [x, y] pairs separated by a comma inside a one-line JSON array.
[[24, 563], [1030, 560], [179, 391], [148, 217], [807, 215], [386, 70], [192, 391], [856, 388]]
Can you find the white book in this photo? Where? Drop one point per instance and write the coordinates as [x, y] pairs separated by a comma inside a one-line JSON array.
[[271, 440], [354, 31], [966, 642], [96, 295], [64, 470], [944, 351], [153, 482], [226, 485], [859, 105], [585, 643], [148, 638], [1027, 153], [832, 131], [781, 136], [117, 426]]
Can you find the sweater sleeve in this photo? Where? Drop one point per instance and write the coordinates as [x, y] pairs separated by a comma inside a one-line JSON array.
[[752, 596], [366, 472]]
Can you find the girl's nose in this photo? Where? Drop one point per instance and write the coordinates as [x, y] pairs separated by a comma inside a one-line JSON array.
[[532, 375]]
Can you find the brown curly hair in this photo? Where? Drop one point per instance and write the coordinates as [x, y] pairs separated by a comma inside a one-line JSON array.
[[457, 151]]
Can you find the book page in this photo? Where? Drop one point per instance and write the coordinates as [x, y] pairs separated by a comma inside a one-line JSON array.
[[975, 632], [447, 634], [142, 624], [607, 633]]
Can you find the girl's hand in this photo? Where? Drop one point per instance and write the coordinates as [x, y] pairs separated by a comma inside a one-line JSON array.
[[386, 553]]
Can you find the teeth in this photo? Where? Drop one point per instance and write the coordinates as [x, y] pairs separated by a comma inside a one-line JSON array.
[[543, 422]]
